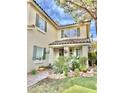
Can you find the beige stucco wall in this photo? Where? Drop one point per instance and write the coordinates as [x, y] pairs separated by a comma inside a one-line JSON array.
[[38, 38]]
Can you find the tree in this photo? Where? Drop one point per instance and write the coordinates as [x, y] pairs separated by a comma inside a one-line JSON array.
[[93, 57], [81, 10]]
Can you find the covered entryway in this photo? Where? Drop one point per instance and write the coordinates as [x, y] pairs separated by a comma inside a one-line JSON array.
[[68, 47]]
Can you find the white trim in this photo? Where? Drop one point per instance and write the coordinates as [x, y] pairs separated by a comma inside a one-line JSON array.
[[41, 19], [63, 45], [38, 61], [38, 29], [42, 12]]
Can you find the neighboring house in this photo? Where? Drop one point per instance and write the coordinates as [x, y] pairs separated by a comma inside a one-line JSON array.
[[46, 40]]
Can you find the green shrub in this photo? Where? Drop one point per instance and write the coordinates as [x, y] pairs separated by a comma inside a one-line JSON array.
[[59, 64], [83, 60], [33, 72], [64, 64], [93, 57], [79, 89], [65, 70], [75, 62], [83, 68], [77, 72]]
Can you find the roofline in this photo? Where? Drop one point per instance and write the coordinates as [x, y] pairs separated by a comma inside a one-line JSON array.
[[36, 5], [74, 24], [77, 44]]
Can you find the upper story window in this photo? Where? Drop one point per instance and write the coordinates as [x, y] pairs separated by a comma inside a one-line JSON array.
[[41, 24], [70, 33]]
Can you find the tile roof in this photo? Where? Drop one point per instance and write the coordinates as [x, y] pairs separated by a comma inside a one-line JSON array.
[[70, 41]]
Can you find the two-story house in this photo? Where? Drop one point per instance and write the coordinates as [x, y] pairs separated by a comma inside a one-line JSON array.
[[46, 40]]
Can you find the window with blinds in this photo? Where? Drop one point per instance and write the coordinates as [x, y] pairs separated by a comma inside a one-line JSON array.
[[70, 33], [41, 24], [39, 53]]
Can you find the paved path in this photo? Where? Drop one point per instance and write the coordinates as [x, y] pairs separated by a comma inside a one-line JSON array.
[[33, 79]]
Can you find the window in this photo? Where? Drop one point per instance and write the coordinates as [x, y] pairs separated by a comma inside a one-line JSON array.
[[39, 53], [62, 32], [77, 52], [78, 31], [70, 33], [73, 33], [41, 24], [66, 34]]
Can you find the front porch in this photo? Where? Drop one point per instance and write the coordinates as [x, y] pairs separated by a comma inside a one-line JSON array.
[[68, 47]]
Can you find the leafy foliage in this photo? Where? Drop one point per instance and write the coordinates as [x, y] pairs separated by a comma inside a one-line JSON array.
[[77, 72], [65, 70], [80, 10], [60, 64], [33, 72], [82, 60], [64, 64], [74, 62], [92, 56]]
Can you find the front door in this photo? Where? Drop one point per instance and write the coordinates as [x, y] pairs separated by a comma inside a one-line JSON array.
[[71, 51]]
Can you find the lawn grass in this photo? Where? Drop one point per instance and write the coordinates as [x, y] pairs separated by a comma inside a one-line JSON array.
[[79, 89], [59, 86], [89, 82]]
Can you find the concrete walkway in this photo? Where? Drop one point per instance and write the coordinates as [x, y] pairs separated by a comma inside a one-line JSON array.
[[33, 79]]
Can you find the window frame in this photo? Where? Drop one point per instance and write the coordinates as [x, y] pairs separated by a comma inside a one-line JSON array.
[[38, 21], [64, 32], [61, 52], [35, 49]]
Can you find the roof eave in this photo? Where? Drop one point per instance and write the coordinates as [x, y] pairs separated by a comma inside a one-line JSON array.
[[37, 6], [70, 45], [73, 25]]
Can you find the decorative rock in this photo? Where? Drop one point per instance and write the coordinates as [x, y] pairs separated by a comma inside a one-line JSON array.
[[41, 69]]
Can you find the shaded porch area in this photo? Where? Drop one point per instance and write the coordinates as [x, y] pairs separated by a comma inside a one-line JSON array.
[[68, 47]]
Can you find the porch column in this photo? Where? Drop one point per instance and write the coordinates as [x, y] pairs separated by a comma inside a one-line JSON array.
[[66, 51], [75, 52], [51, 55], [85, 53]]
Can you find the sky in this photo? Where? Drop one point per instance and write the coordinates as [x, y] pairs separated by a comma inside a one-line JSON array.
[[59, 16]]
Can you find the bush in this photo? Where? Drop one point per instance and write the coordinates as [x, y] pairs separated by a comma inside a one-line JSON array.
[[65, 70], [59, 64], [83, 61], [83, 68], [77, 72], [64, 64], [93, 57], [79, 89], [33, 72], [74, 62]]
